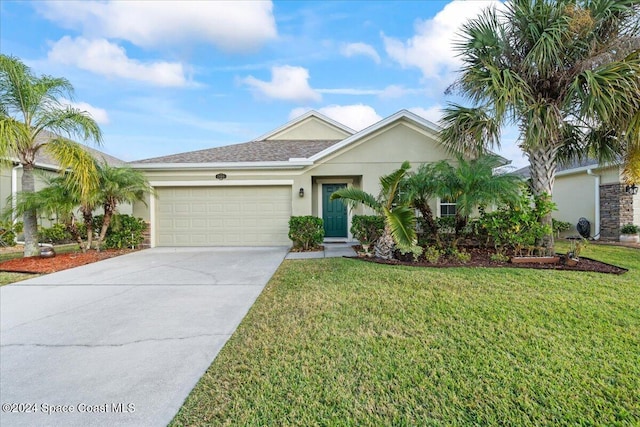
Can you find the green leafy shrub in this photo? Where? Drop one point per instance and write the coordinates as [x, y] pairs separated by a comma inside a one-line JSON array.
[[461, 256], [7, 234], [560, 226], [56, 234], [499, 257], [517, 226], [432, 254], [630, 229], [125, 231], [414, 250], [367, 228], [306, 232]]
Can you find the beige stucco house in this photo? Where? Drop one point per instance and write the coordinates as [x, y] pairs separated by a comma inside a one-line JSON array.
[[244, 194], [596, 192], [11, 177]]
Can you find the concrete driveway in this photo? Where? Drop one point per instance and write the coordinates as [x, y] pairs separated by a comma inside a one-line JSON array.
[[122, 341]]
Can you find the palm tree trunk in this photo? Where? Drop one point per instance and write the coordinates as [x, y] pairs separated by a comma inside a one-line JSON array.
[[385, 244], [30, 219], [430, 225], [87, 216], [543, 170], [106, 221]]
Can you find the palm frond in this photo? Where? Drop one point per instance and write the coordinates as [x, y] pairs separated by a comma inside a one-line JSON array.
[[402, 223], [468, 131], [72, 156], [354, 197]]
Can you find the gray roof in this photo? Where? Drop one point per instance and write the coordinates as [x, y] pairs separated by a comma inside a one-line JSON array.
[[43, 158], [525, 172], [254, 151]]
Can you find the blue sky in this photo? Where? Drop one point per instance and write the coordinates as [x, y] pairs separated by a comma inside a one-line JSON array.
[[163, 77]]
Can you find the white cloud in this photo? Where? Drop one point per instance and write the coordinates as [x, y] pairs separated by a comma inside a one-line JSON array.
[[357, 116], [99, 114], [431, 48], [352, 49], [350, 91], [231, 26], [287, 83], [433, 114], [103, 57]]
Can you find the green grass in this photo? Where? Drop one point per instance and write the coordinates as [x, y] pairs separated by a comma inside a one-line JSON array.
[[60, 249], [7, 278], [343, 342]]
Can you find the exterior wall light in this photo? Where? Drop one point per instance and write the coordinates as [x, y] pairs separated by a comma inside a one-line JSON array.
[[301, 192], [631, 189]]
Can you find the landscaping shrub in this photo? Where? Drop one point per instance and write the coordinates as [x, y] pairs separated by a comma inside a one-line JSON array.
[[517, 226], [56, 234], [306, 232], [432, 254], [7, 234], [630, 229], [461, 256], [367, 228], [560, 226], [125, 231]]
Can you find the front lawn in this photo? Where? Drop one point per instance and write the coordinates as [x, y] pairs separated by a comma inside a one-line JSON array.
[[7, 277], [343, 342]]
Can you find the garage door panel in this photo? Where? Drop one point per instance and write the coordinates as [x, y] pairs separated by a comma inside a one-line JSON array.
[[223, 216]]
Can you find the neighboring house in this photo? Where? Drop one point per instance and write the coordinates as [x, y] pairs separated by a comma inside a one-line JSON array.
[[11, 177], [244, 194], [595, 192]]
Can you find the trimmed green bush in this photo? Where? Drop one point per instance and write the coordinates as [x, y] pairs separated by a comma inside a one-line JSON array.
[[367, 228], [7, 234], [306, 232], [560, 226], [125, 231], [55, 234], [630, 229]]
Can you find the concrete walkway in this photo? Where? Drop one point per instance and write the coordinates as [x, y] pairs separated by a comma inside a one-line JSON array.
[[122, 341], [331, 250]]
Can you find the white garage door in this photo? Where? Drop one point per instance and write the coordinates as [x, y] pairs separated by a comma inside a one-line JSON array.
[[223, 216]]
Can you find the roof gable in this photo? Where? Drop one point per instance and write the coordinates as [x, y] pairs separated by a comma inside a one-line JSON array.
[[309, 126], [420, 122]]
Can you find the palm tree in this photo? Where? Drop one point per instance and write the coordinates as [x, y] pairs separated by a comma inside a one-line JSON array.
[[557, 70], [118, 185], [419, 188], [58, 198], [399, 219], [31, 120], [474, 183]]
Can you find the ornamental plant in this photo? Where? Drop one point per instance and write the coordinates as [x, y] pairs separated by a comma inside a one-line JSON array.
[[306, 232]]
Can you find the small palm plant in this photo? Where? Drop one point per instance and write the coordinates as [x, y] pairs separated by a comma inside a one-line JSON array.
[[399, 218], [118, 185]]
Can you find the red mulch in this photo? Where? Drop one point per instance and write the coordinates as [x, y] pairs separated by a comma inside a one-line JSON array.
[[60, 262], [481, 258]]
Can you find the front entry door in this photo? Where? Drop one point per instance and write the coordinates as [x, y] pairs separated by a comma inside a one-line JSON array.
[[334, 212]]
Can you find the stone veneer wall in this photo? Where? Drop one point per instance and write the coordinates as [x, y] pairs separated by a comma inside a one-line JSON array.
[[616, 210]]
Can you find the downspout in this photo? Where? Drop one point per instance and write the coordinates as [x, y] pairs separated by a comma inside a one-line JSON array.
[[14, 192], [596, 235]]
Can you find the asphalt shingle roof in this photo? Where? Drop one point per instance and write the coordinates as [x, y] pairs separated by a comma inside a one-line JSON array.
[[43, 158], [526, 173], [254, 151]]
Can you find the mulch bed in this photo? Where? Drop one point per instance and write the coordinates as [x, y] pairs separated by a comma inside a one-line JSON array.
[[481, 258], [38, 265]]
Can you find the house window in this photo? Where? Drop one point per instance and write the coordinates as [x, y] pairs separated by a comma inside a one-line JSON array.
[[447, 207]]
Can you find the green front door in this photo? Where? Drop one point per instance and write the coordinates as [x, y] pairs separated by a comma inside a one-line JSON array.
[[334, 212]]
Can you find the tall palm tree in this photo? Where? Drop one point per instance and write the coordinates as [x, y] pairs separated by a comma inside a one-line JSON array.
[[399, 219], [118, 185], [32, 120], [555, 68]]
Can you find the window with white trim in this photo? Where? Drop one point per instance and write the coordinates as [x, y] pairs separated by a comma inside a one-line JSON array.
[[447, 207]]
